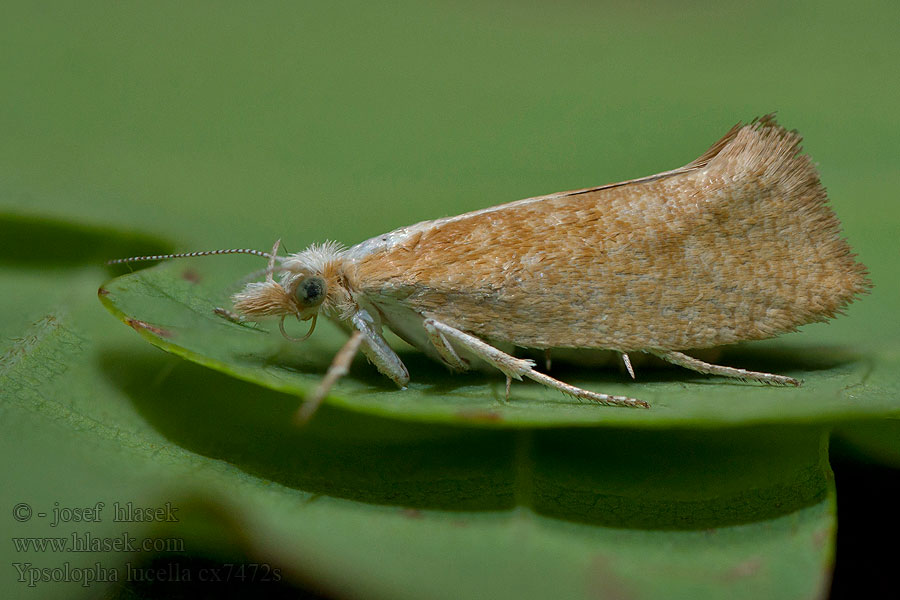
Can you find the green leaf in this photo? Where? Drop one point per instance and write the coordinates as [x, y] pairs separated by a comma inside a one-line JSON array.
[[172, 306], [387, 509], [362, 505]]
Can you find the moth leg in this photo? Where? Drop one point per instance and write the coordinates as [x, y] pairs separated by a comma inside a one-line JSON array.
[[443, 347], [377, 350], [229, 315], [270, 267], [508, 365], [516, 368], [340, 366], [627, 362], [365, 338], [689, 362], [237, 319]]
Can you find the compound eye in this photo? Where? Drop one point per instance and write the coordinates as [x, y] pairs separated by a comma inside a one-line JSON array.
[[311, 291]]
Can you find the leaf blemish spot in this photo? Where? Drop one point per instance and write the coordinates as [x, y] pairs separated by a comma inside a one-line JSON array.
[[138, 325]]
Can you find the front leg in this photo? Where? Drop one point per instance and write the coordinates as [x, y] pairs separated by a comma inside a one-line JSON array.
[[516, 368], [377, 350], [366, 337]]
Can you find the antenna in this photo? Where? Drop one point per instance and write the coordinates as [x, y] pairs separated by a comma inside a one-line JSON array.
[[132, 259]]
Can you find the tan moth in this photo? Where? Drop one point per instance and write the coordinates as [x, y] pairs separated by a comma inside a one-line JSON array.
[[737, 245]]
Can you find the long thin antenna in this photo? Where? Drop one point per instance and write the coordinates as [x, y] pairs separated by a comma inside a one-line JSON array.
[[132, 259]]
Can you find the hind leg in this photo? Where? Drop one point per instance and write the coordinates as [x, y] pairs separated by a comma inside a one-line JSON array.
[[688, 362]]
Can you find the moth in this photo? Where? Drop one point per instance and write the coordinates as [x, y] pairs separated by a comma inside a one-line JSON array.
[[737, 245]]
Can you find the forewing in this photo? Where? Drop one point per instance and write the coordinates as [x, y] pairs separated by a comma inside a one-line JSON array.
[[736, 245]]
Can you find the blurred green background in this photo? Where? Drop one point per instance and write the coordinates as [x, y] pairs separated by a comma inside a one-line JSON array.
[[227, 124]]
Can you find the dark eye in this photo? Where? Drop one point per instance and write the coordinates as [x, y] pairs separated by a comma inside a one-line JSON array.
[[311, 291]]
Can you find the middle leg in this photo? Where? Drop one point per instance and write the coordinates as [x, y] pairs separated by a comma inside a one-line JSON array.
[[516, 368]]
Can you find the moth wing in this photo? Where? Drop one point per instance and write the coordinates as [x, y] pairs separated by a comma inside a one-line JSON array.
[[738, 244]]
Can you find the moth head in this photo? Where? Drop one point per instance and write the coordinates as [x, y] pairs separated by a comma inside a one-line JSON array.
[[306, 286], [299, 296]]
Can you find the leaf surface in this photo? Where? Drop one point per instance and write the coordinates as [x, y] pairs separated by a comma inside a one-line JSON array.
[[358, 504]]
